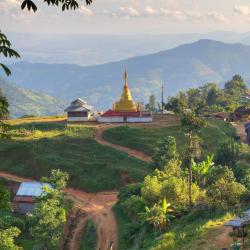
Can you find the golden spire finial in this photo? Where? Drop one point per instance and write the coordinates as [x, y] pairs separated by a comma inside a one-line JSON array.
[[126, 77]]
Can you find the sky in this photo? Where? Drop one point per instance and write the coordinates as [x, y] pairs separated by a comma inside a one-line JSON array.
[[129, 17]]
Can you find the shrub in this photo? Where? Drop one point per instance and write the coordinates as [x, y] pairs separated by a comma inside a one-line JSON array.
[[151, 190], [133, 206], [129, 190], [228, 152]]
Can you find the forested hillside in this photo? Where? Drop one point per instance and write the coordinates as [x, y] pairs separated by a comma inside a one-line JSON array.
[[186, 66], [24, 102]]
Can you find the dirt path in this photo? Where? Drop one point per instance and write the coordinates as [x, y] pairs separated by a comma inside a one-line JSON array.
[[97, 206], [132, 152]]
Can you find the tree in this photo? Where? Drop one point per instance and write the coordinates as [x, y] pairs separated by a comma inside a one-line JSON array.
[[58, 179], [4, 198], [191, 125], [7, 51], [165, 151], [65, 4], [152, 103], [224, 191], [49, 215], [7, 239], [4, 113], [151, 190]]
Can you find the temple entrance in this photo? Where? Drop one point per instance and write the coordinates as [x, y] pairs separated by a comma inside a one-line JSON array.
[[125, 119]]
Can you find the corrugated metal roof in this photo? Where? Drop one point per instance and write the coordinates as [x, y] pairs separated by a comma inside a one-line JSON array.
[[31, 188]]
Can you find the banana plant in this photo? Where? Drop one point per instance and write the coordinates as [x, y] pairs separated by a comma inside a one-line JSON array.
[[201, 169]]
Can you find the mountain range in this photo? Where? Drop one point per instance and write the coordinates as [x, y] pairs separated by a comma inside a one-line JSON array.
[[25, 102], [185, 66]]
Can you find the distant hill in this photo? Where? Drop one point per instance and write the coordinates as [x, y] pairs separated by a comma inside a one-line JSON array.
[[186, 66], [26, 102]]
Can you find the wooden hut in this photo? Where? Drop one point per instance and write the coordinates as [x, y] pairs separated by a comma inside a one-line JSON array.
[[79, 111]]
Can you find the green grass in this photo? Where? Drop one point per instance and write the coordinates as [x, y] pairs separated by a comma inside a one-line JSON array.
[[145, 138], [36, 148], [89, 236]]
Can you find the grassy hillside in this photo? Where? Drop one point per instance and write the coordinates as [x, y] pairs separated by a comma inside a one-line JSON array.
[[26, 102], [145, 138], [38, 147]]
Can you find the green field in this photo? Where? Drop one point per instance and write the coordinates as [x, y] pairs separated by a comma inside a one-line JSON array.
[[145, 138], [36, 148]]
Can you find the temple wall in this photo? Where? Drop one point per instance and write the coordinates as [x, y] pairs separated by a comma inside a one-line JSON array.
[[78, 119], [121, 119], [109, 119], [140, 119]]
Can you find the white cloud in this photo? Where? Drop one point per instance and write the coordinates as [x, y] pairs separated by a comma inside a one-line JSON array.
[[85, 11], [150, 11], [129, 12], [7, 5], [241, 10], [218, 17]]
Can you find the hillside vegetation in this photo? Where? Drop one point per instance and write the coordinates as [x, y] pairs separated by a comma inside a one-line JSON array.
[[24, 102], [38, 147], [145, 138]]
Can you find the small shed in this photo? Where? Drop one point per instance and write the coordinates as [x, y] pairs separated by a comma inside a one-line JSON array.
[[24, 200], [239, 224], [79, 111]]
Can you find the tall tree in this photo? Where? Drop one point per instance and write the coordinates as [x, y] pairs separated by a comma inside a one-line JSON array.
[[4, 113], [152, 103], [191, 125], [165, 152], [49, 216]]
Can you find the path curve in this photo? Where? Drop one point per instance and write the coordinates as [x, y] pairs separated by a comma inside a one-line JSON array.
[[97, 206], [131, 152]]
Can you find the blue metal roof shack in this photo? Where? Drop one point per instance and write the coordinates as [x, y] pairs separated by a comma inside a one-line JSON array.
[[34, 189]]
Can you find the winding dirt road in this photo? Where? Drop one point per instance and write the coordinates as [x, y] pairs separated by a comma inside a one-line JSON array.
[[132, 152]]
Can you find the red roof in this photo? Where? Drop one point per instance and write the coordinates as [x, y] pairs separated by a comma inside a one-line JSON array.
[[22, 198], [111, 113]]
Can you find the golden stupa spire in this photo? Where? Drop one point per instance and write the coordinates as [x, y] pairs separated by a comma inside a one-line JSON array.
[[125, 104], [126, 77]]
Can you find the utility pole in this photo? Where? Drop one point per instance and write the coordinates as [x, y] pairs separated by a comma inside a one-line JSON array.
[[162, 98]]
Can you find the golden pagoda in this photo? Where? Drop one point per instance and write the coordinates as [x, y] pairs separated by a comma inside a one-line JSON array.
[[125, 104]]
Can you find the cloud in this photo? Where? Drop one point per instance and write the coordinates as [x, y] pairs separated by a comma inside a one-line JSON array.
[[85, 11], [8, 5], [129, 12], [243, 10], [218, 17], [151, 11]]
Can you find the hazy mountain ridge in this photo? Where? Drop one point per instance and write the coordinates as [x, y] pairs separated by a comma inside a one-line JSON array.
[[26, 102], [188, 65]]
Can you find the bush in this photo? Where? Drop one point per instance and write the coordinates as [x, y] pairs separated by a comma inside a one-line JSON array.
[[224, 193], [228, 152], [128, 191], [133, 206]]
